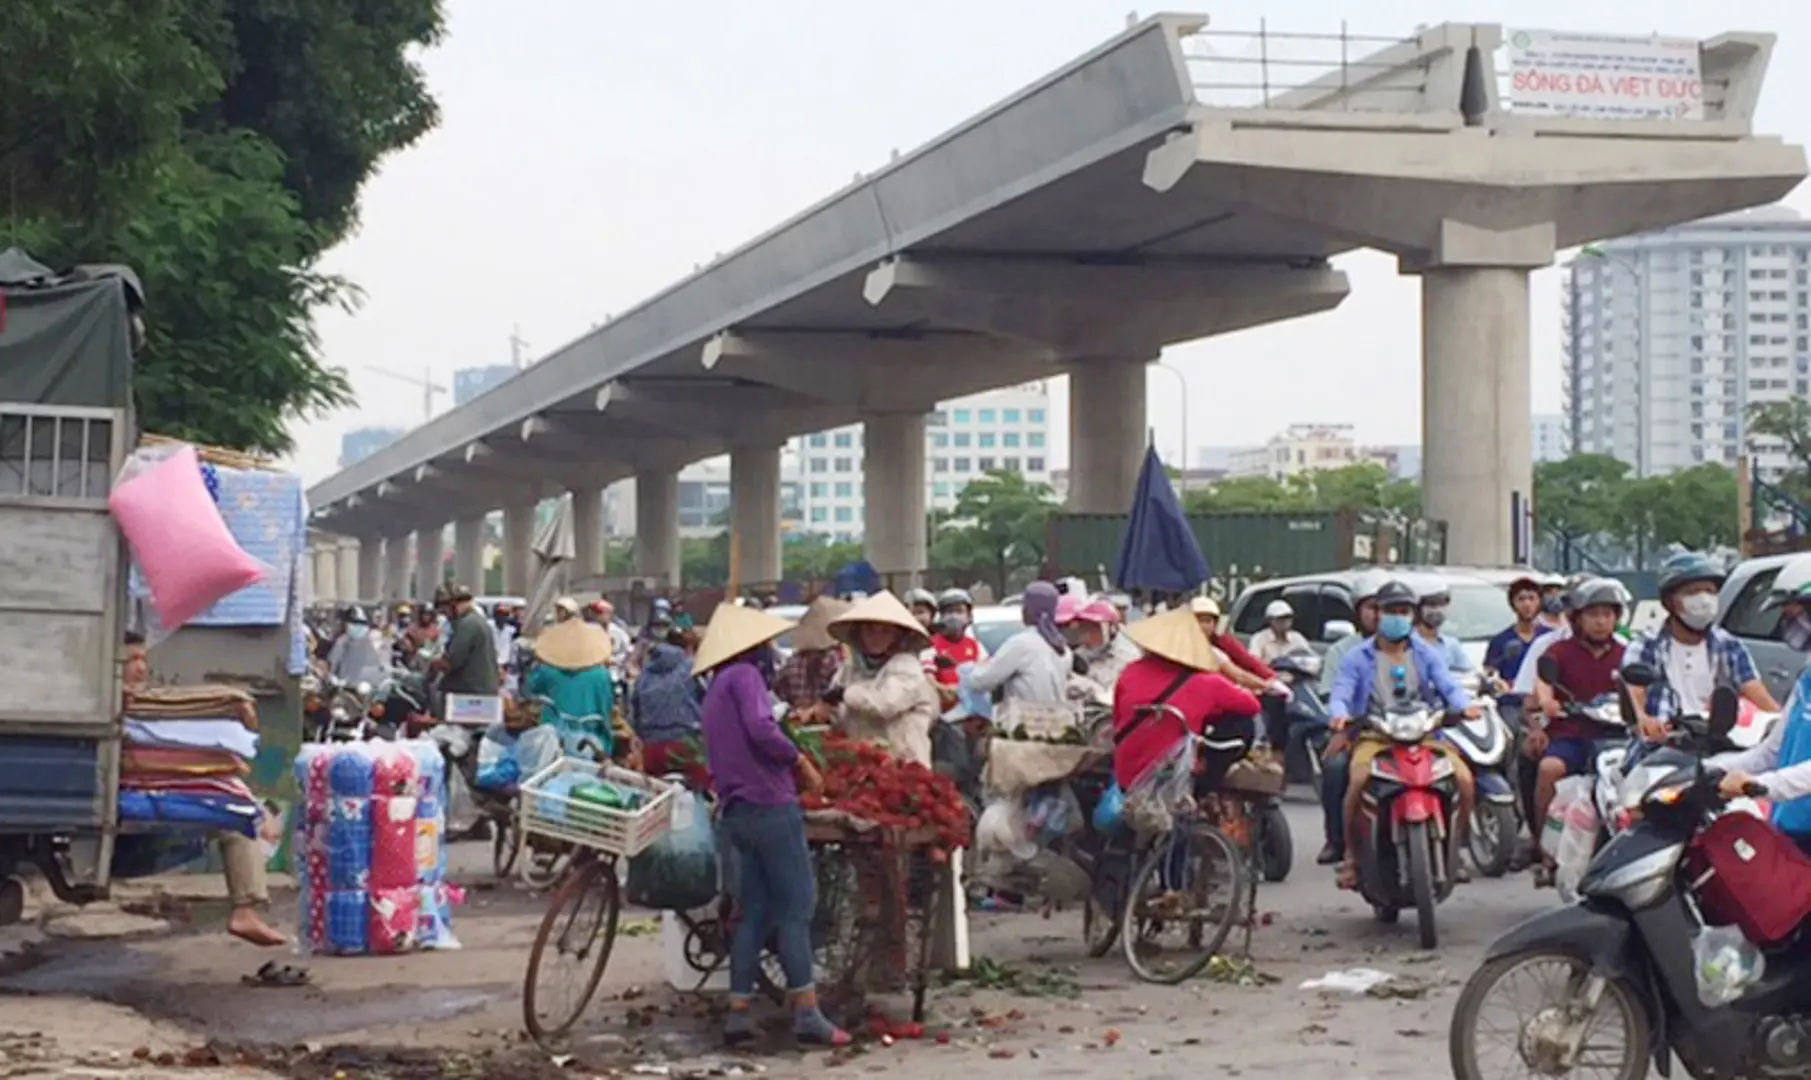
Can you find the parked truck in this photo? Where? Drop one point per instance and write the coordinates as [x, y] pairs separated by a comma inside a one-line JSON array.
[[67, 342]]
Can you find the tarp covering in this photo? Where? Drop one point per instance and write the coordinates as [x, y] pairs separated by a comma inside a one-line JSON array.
[[1159, 552], [65, 339]]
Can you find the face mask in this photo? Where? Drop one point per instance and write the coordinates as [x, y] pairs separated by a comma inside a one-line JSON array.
[[1435, 618], [954, 625], [1698, 610], [1395, 627], [1553, 605], [1797, 632], [357, 630]]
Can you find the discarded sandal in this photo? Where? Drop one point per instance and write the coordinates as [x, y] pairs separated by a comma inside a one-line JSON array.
[[275, 974]]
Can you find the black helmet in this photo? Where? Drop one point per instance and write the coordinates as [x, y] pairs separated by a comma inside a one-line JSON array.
[[1394, 594], [356, 614]]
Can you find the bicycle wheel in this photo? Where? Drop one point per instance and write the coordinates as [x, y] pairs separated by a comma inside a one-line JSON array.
[[506, 846], [1183, 902], [571, 950]]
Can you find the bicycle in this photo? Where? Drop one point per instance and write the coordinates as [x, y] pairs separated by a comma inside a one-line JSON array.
[[1175, 889]]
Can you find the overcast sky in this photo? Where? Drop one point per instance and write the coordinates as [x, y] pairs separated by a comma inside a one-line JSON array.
[[592, 151]]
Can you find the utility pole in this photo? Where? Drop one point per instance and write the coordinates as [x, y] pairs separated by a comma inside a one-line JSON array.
[[516, 345]]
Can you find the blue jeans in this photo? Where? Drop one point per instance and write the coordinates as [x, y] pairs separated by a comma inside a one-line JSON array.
[[773, 883], [1336, 776]]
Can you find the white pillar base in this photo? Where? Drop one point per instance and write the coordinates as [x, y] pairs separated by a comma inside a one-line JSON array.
[[754, 486], [518, 549], [657, 549], [468, 553], [893, 532]]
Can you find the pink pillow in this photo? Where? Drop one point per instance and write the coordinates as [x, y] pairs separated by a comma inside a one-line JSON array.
[[179, 540]]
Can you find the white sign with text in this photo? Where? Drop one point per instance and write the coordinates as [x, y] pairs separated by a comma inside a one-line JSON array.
[[1605, 76]]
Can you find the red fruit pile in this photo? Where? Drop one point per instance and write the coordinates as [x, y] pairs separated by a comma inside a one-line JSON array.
[[865, 781]]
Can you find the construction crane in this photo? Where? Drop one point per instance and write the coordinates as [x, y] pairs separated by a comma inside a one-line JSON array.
[[426, 381]]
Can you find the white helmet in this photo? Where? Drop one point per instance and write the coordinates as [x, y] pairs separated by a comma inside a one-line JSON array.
[[1278, 609]]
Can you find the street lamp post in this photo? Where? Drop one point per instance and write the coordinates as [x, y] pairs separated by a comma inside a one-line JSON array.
[[1182, 384]]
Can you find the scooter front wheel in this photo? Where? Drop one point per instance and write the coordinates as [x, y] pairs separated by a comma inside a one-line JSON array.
[[1492, 837], [1545, 1032], [1420, 843]]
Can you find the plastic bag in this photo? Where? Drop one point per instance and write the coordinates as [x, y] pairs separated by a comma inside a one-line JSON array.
[[1002, 827], [538, 749], [1052, 812], [1164, 789], [1110, 811], [1577, 844], [678, 872], [498, 769], [1725, 964], [1565, 793]]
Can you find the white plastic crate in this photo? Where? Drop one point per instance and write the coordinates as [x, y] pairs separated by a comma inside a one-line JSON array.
[[547, 809]]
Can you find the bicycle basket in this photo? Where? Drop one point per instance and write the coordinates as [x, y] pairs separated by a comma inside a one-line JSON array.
[[611, 810]]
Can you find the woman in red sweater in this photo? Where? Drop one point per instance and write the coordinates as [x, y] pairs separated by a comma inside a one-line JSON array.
[[1173, 690]]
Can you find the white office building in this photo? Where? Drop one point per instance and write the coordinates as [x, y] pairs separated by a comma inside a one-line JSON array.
[[1672, 335], [967, 438]]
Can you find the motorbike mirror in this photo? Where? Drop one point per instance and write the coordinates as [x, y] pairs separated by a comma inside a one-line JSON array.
[[1548, 669], [1639, 674], [1337, 629], [1723, 708]]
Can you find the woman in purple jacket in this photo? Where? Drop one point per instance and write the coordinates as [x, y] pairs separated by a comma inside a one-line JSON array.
[[757, 772]]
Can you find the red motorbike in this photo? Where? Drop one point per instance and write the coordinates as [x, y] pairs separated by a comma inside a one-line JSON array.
[[1406, 839]]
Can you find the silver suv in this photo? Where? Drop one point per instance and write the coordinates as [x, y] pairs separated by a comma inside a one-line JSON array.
[[1747, 615]]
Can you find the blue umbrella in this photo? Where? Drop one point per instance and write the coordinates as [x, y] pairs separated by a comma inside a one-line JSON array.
[[1159, 552]]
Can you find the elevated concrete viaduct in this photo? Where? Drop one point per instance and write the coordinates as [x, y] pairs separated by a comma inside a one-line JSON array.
[[1080, 227]]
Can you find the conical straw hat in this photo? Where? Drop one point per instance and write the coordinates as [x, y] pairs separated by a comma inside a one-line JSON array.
[[732, 631], [1177, 637], [883, 607], [573, 645], [813, 633]]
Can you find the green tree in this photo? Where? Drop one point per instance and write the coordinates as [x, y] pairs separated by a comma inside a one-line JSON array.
[[1579, 496], [1790, 423], [217, 146], [816, 557], [1363, 486], [704, 561], [999, 521], [1248, 493], [1695, 507]]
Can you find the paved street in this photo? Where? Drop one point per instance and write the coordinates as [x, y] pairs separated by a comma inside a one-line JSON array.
[[149, 1003]]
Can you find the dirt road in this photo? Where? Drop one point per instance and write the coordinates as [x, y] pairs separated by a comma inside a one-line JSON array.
[[163, 996]]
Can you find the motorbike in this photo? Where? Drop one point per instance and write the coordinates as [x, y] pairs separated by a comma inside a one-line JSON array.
[[1488, 746], [1297, 725], [400, 706], [1405, 834], [1628, 947], [345, 717]]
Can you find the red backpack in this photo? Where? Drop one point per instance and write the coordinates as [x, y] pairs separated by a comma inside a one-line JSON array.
[[1748, 875]]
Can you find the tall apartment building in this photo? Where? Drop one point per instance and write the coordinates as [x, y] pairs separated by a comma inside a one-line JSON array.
[[360, 443], [1671, 336], [1551, 437], [468, 383], [1007, 429]]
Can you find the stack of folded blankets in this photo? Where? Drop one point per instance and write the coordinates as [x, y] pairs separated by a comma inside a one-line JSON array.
[[370, 846], [186, 755]]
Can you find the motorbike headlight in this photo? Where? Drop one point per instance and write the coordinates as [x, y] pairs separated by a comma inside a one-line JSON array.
[[364, 689], [340, 715], [1408, 726]]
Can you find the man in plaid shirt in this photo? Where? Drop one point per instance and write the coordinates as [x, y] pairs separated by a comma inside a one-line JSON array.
[[1692, 655]]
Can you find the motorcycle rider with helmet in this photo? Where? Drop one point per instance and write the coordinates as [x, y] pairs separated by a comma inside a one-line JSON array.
[[1430, 617], [923, 605], [1693, 655], [1782, 760], [1364, 610], [1279, 636], [1588, 660], [1394, 654]]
